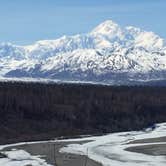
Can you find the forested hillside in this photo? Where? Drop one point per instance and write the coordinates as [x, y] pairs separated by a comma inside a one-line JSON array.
[[36, 111]]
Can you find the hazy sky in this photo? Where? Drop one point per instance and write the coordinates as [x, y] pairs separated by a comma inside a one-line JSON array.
[[25, 21]]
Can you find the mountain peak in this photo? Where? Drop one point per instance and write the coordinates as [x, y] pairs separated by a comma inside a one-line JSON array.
[[134, 31], [109, 53], [106, 28]]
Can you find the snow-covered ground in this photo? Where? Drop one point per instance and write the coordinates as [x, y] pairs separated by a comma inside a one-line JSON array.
[[110, 149], [21, 158]]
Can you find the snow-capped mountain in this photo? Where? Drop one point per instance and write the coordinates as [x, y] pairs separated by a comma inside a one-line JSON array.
[[109, 53]]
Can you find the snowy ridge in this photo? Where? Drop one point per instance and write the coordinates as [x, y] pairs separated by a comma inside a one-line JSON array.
[[109, 53]]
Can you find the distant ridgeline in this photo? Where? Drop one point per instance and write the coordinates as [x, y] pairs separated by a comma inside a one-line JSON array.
[[35, 111]]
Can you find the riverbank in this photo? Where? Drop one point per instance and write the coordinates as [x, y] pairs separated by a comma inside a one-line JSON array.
[[50, 153]]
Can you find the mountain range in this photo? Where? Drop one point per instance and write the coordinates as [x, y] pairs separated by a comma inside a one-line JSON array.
[[108, 54]]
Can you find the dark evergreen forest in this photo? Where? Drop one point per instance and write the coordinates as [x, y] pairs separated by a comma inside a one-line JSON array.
[[36, 111]]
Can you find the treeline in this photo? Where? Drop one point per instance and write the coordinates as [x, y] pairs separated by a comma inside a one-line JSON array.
[[34, 111]]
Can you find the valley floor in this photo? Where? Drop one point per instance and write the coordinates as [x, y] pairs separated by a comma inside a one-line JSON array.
[[43, 154], [126, 148]]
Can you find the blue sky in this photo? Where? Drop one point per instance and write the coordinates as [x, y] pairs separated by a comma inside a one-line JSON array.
[[26, 21]]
